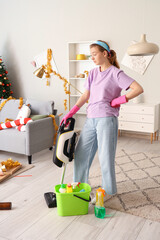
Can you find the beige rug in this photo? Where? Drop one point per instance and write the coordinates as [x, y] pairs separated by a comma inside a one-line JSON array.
[[138, 184]]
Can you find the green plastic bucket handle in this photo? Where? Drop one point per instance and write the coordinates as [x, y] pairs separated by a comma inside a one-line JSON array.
[[82, 198]]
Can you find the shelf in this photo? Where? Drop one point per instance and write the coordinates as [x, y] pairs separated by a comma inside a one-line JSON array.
[[76, 67], [75, 95], [81, 113]]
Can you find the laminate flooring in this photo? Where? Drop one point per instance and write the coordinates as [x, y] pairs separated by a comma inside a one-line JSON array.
[[31, 219]]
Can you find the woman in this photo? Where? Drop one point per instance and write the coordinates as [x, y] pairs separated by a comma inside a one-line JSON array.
[[103, 89]]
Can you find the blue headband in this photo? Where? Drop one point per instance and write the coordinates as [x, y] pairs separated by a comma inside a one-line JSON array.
[[102, 44]]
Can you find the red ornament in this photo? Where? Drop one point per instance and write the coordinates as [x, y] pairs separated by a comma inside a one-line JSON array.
[[11, 92], [0, 75], [6, 72], [7, 85], [4, 90], [2, 84], [10, 84]]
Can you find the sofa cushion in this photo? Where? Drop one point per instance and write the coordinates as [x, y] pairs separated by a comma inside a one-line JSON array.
[[13, 141], [40, 107], [10, 109], [37, 117], [24, 112]]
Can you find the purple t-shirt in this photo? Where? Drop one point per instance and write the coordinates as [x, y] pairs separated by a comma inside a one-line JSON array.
[[104, 87]]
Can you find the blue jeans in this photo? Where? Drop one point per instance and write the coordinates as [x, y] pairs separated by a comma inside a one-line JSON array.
[[101, 134]]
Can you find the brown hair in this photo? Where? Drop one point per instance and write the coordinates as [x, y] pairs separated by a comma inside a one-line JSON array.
[[112, 57]]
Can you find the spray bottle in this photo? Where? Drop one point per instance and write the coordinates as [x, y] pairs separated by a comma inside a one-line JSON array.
[[99, 208]]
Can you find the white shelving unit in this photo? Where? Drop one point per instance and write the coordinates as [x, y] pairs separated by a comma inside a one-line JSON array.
[[76, 67]]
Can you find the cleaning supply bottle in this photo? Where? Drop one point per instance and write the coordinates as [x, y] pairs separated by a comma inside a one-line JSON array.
[[63, 188], [99, 208], [75, 184], [69, 188]]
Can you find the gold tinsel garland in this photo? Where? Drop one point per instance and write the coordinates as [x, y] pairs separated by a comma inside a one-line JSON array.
[[4, 102], [56, 128], [49, 66], [11, 98], [48, 70], [20, 102]]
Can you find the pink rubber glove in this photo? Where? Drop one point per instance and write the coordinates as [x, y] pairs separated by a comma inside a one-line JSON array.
[[117, 101], [70, 114]]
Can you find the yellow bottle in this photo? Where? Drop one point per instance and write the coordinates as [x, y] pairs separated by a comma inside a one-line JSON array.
[[69, 188], [100, 193]]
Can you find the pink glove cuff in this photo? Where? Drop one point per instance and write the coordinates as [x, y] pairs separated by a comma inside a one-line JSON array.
[[74, 110], [117, 101], [122, 99], [70, 114]]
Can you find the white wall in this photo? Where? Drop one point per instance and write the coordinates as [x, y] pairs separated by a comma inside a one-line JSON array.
[[30, 26]]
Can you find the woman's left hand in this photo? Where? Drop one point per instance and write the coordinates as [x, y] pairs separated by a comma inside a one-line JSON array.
[[117, 101]]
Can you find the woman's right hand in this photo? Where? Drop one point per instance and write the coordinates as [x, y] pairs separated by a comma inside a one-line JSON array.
[[64, 119], [69, 114]]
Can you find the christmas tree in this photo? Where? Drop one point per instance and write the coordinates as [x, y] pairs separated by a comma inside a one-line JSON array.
[[5, 85]]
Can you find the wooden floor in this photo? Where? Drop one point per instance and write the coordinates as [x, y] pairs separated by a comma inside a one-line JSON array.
[[31, 219]]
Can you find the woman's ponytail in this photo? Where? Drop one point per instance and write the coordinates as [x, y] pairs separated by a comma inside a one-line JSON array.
[[112, 57]]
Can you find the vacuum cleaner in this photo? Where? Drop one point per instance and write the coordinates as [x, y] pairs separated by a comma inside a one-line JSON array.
[[63, 154], [65, 144]]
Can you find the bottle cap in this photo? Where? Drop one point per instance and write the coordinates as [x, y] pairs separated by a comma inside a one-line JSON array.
[[101, 190], [63, 186]]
